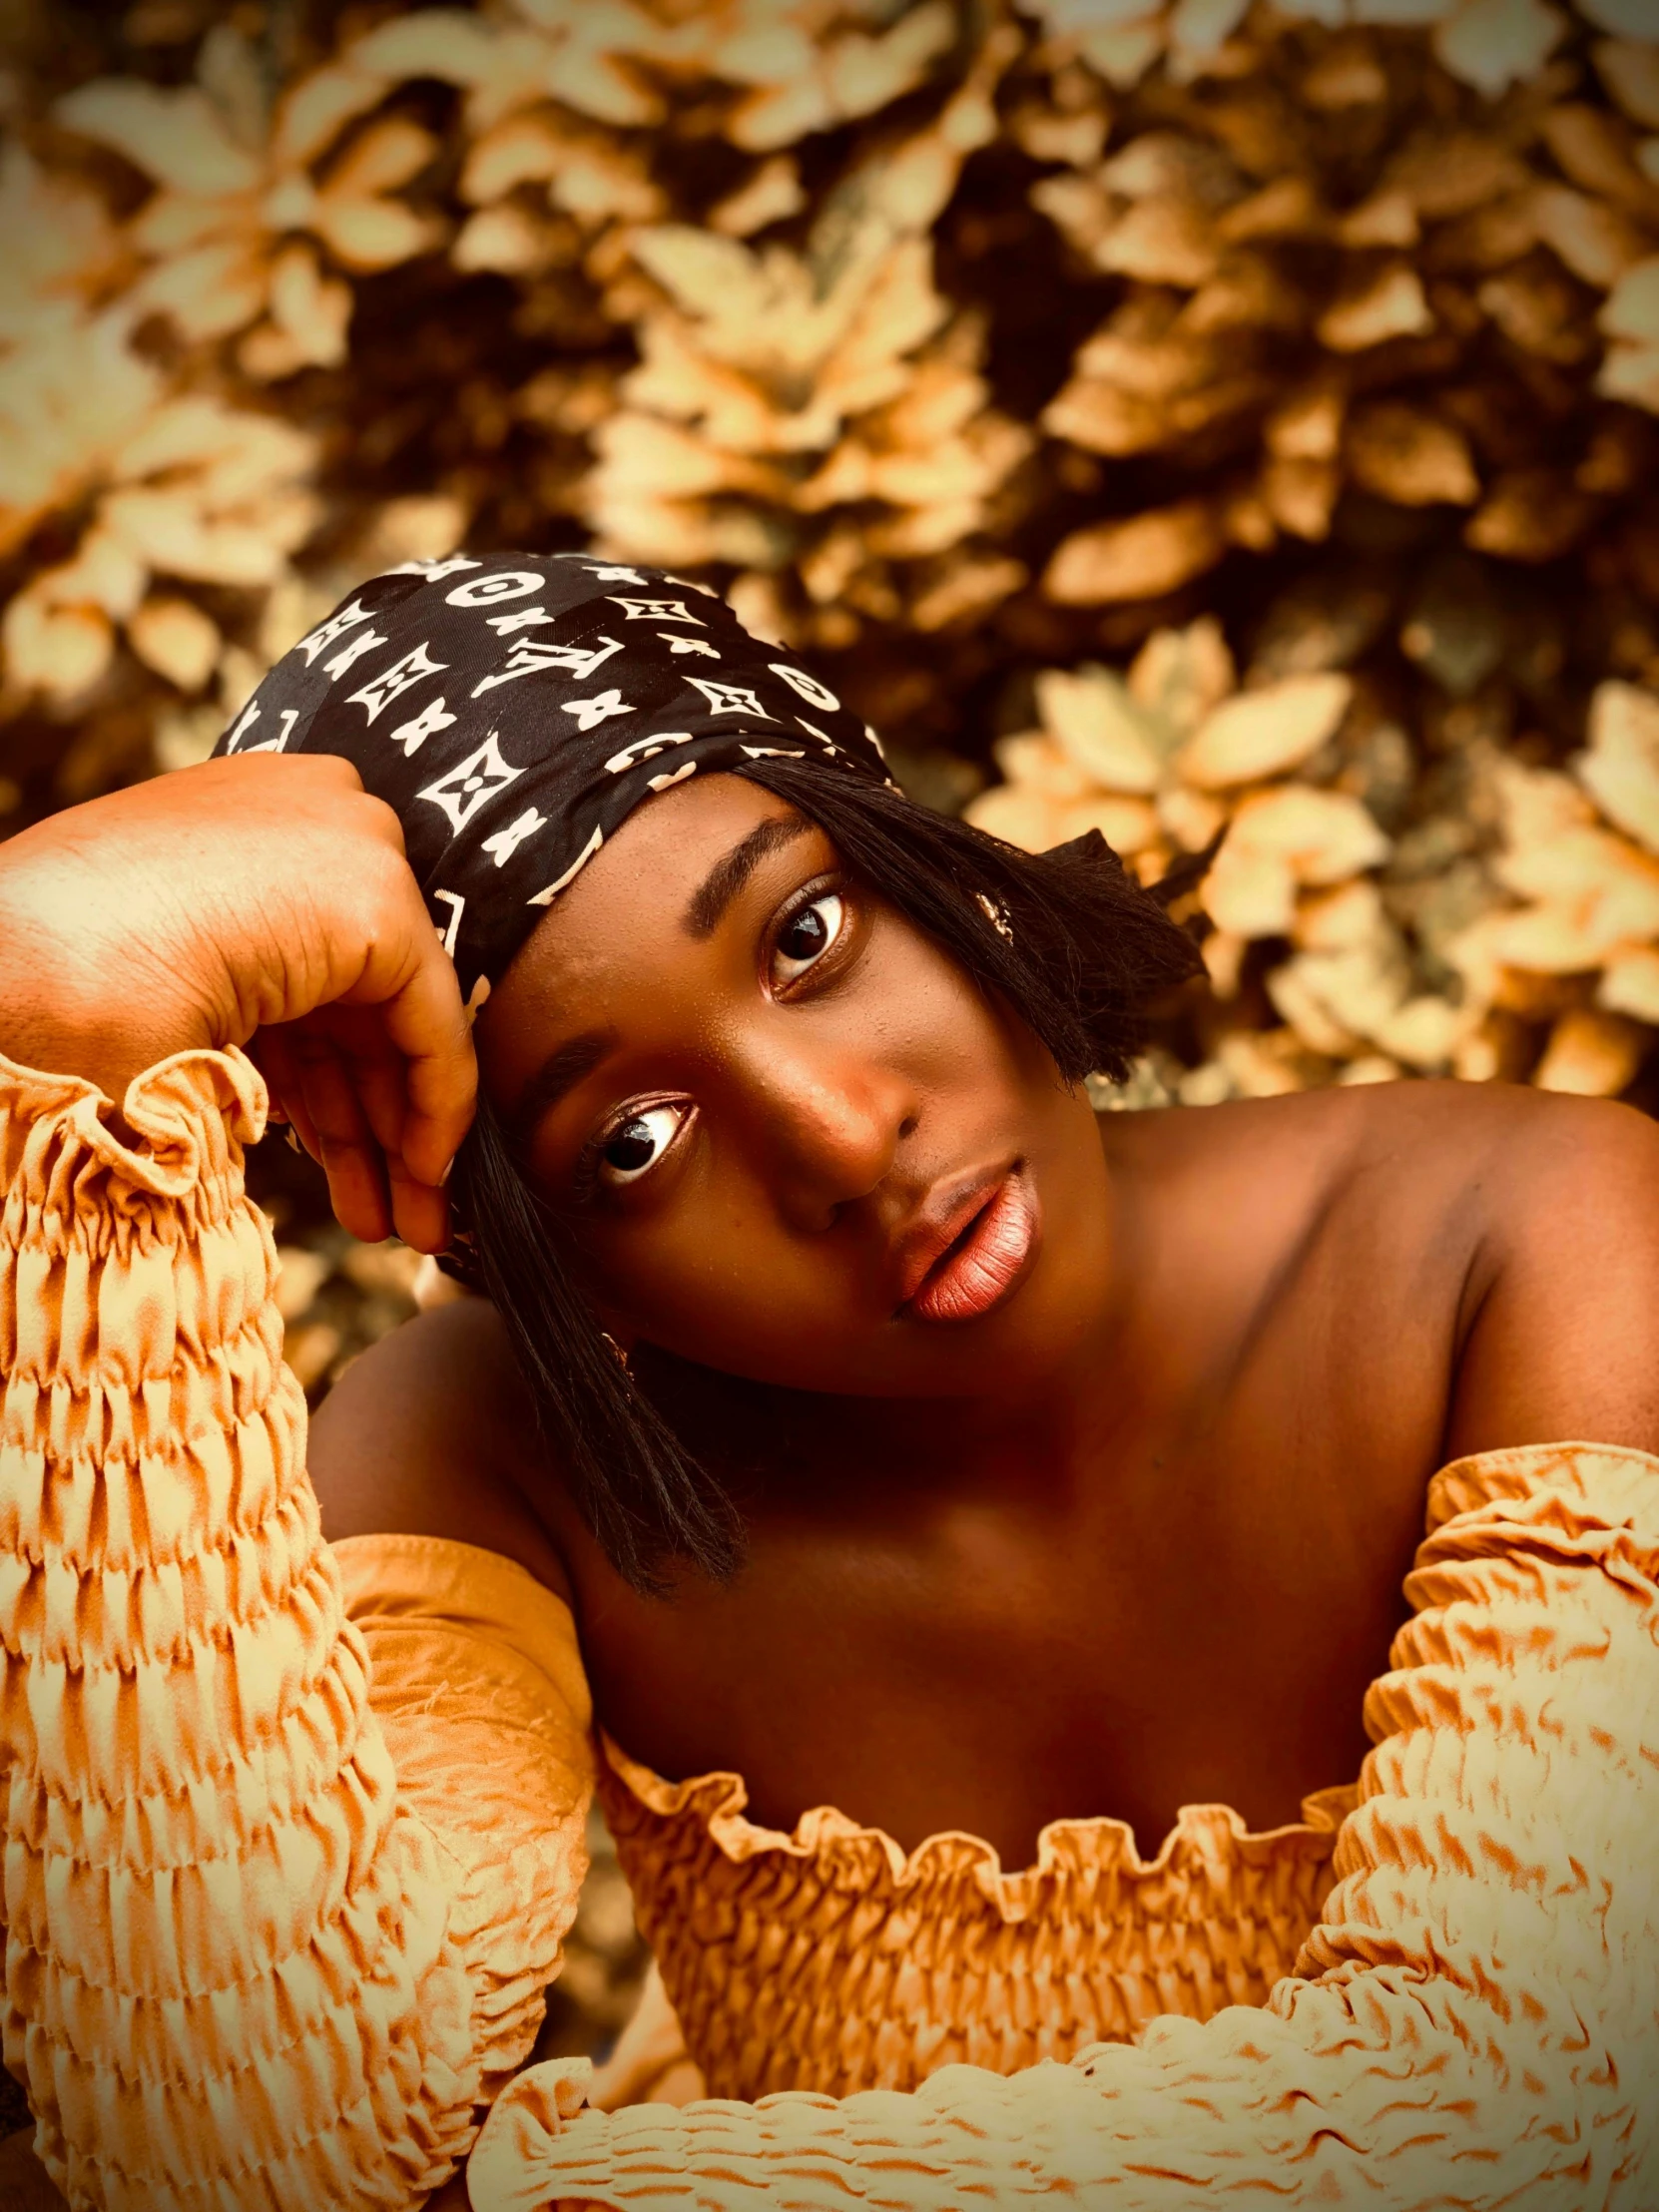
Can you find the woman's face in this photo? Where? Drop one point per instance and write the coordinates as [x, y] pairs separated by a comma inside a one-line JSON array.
[[793, 1140]]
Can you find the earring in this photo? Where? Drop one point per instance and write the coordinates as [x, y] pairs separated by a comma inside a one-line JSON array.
[[996, 916], [620, 1355]]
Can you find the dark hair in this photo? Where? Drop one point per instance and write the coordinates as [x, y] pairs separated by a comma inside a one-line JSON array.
[[1074, 944]]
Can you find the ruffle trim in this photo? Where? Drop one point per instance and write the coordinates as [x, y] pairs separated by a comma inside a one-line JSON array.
[[167, 1107], [1099, 1843]]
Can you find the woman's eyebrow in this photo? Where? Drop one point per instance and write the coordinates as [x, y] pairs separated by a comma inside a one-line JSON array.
[[705, 908], [560, 1072]]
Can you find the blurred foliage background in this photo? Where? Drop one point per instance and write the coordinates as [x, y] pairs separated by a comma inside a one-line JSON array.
[[1220, 415]]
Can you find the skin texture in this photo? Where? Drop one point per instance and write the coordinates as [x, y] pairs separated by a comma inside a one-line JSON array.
[[1133, 1539]]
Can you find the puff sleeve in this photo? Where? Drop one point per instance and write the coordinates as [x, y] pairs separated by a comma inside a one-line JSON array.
[[261, 1950], [1475, 2023]]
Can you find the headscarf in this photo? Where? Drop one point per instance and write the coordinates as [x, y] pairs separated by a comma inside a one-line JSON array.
[[513, 709]]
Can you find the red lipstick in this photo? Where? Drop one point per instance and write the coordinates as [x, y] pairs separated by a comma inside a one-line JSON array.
[[984, 1262]]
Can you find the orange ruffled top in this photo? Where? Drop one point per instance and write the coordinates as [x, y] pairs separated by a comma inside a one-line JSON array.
[[293, 1834], [828, 1959]]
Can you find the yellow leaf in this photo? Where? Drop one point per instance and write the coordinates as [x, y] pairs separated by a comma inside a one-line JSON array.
[[769, 194], [1402, 453], [1630, 983], [1129, 826], [1493, 44], [104, 574], [863, 74], [1322, 836], [1340, 921], [1390, 305], [1160, 242], [601, 85], [779, 115], [311, 113], [1019, 815], [1139, 557], [1180, 674], [1594, 241], [211, 291], [173, 222], [1191, 818], [380, 158], [176, 137], [61, 651], [508, 238], [314, 310], [1629, 68], [1592, 1054], [177, 640], [451, 44], [1632, 308], [1424, 1034], [1621, 769], [372, 234], [1250, 893], [1111, 741], [1258, 733]]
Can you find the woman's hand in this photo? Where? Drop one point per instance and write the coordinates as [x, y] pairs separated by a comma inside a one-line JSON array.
[[263, 901]]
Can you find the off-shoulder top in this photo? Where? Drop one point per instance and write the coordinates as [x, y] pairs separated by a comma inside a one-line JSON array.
[[292, 1834], [831, 1960]]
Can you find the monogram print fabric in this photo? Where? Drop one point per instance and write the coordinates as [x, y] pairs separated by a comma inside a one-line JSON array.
[[514, 709]]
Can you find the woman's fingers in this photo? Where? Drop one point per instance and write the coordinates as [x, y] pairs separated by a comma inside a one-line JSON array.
[[419, 1000], [352, 1156], [271, 1054]]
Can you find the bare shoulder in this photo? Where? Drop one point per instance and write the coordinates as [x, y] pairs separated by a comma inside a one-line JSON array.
[[1559, 1333], [429, 1433], [1518, 1228]]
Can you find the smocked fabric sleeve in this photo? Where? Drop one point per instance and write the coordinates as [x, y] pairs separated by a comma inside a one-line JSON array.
[[264, 1945], [1475, 2023]]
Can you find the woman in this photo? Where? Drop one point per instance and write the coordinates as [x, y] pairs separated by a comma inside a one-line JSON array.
[[852, 1412]]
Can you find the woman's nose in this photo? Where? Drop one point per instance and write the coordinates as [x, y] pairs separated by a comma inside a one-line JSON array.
[[831, 1123]]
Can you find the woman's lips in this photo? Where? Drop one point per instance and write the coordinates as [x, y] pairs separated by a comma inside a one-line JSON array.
[[984, 1264]]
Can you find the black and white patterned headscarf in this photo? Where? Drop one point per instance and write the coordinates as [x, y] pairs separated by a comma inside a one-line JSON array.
[[514, 709]]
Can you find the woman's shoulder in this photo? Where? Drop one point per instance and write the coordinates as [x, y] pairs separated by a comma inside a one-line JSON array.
[[1421, 1129], [430, 1432]]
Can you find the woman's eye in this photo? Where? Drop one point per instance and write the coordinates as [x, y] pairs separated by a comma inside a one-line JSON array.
[[807, 934], [636, 1145]]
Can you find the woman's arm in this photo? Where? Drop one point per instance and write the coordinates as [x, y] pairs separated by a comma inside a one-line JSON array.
[[282, 1890], [1560, 1328], [1475, 2023]]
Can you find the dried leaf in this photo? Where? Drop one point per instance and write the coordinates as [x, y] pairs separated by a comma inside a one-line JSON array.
[[1493, 44], [1139, 557], [177, 640], [1179, 676], [61, 651], [1259, 734], [1102, 731], [1390, 305], [1595, 241], [1630, 983], [1402, 453], [1621, 769], [1531, 515], [311, 113], [176, 137], [1629, 68], [1593, 148], [1590, 1053], [372, 234], [771, 194], [380, 158]]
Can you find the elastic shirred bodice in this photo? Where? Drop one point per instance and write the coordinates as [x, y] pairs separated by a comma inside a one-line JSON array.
[[828, 1959]]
